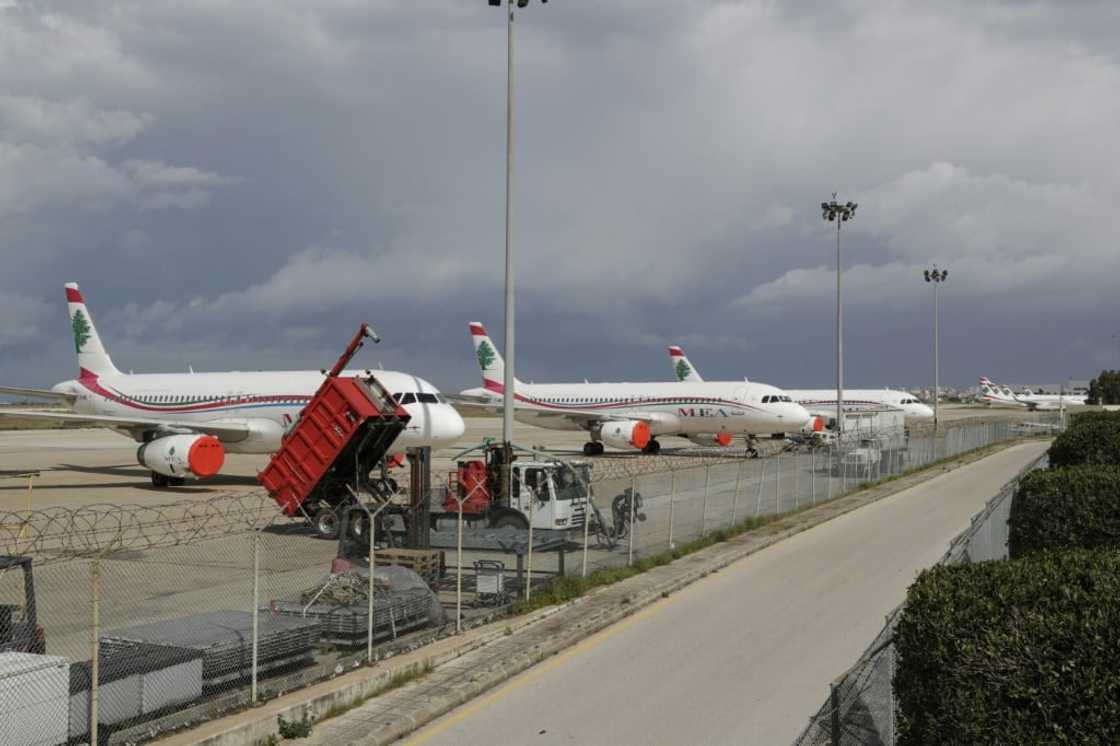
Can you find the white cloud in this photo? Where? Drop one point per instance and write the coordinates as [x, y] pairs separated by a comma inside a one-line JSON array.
[[73, 121]]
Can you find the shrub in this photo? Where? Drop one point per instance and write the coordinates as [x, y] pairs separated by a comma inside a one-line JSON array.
[[1078, 506], [1092, 438], [1019, 651]]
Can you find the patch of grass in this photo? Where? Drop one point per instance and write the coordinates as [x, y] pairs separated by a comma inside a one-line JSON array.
[[563, 589], [292, 729]]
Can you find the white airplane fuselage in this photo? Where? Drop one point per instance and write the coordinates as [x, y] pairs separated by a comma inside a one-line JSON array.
[[266, 401], [824, 400], [671, 408]]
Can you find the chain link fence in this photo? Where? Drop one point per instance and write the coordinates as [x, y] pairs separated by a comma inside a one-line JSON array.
[[135, 620], [861, 707]]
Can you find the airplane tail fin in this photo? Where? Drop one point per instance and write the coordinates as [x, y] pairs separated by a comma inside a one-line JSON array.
[[92, 358], [490, 361], [682, 368]]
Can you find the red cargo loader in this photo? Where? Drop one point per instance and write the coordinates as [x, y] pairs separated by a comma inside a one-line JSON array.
[[340, 437]]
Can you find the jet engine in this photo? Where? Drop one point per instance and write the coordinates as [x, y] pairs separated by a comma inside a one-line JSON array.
[[183, 456], [625, 434], [711, 439]]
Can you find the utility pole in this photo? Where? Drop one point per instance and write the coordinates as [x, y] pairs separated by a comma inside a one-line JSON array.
[[510, 351], [936, 276], [839, 214]]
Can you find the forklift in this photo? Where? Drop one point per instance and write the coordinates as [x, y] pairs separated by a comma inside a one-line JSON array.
[[19, 629]]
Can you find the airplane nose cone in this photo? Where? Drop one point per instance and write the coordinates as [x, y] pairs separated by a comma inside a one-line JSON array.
[[449, 426], [801, 417], [926, 411]]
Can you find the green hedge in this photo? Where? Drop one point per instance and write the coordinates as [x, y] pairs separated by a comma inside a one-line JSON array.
[[1075, 507], [1092, 438], [1012, 652]]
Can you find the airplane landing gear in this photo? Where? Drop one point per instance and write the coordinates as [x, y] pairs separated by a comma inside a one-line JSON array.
[[159, 481], [592, 448], [652, 448]]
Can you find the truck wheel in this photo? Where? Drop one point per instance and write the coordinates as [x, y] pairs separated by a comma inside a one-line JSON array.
[[326, 522], [511, 520]]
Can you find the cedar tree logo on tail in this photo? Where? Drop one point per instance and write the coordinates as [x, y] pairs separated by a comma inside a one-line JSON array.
[[81, 330], [682, 370], [485, 355]]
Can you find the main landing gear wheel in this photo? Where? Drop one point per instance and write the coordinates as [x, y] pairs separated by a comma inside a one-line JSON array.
[[160, 480], [591, 448], [176, 481], [652, 448]]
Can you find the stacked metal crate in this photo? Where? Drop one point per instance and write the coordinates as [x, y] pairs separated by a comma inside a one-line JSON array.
[[347, 625], [225, 639]]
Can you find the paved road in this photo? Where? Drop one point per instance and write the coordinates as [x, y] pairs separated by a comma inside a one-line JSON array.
[[744, 656]]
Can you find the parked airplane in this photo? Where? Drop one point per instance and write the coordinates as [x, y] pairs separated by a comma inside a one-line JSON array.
[[821, 402], [188, 421], [632, 415], [1052, 402], [997, 395]]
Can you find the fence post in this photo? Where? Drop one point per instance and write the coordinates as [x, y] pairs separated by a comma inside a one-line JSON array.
[[778, 487], [814, 474], [459, 571], [672, 502], [796, 480], [707, 488], [370, 591], [761, 486], [735, 497], [586, 525], [95, 646], [633, 529], [256, 604], [529, 559], [829, 478]]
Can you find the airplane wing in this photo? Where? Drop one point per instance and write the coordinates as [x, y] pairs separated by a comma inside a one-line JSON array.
[[37, 393], [222, 430]]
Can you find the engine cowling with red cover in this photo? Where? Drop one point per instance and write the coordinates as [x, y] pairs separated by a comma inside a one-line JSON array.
[[625, 434], [183, 456]]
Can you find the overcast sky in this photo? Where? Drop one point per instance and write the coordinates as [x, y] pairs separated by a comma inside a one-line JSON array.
[[237, 184]]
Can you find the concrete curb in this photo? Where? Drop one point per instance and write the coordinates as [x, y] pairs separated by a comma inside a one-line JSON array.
[[549, 630]]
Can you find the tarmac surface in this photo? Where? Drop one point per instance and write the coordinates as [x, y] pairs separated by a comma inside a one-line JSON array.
[[745, 655], [88, 466]]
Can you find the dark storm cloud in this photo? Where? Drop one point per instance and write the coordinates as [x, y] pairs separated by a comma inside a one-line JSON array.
[[237, 184]]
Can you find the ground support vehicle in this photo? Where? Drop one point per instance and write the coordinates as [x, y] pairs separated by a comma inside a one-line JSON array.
[[551, 495], [336, 449], [19, 626]]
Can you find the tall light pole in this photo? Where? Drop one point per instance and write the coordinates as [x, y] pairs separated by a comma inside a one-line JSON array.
[[936, 276], [508, 379], [839, 214]]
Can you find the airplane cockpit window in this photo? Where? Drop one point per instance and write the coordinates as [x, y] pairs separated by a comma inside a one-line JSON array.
[[409, 398], [766, 400], [427, 398]]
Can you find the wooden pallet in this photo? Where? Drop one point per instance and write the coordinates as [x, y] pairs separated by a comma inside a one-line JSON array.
[[427, 563]]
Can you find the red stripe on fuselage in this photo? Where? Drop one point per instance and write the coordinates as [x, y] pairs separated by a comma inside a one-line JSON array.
[[89, 381], [500, 389]]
